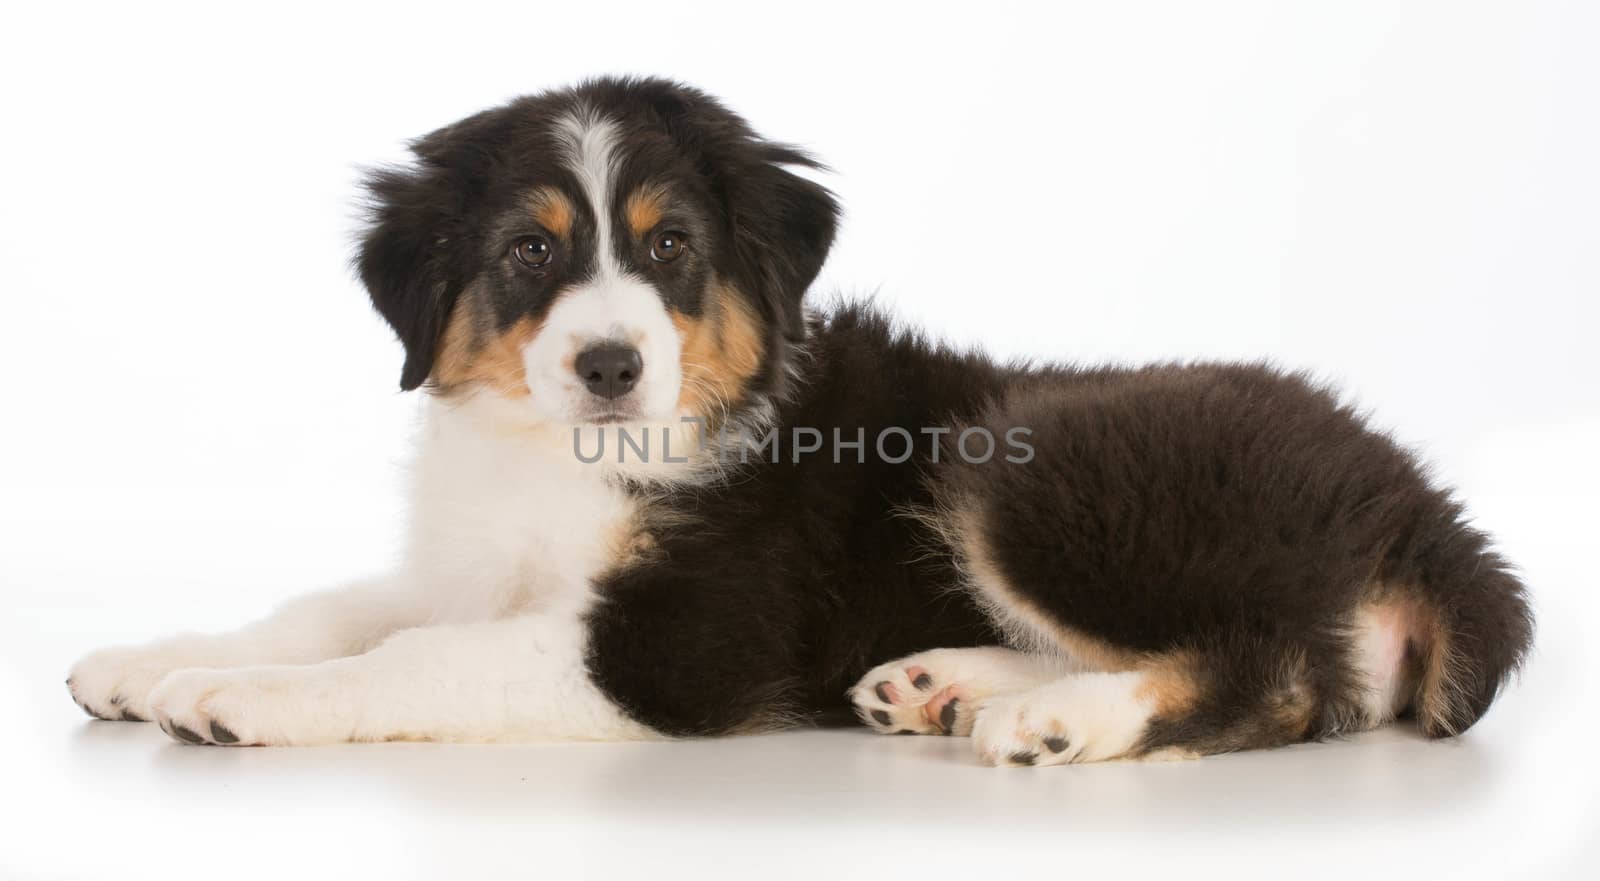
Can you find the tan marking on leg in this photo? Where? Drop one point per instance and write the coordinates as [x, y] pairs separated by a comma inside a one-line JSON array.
[[643, 209], [551, 209], [1171, 684], [721, 351], [1175, 687], [1022, 617]]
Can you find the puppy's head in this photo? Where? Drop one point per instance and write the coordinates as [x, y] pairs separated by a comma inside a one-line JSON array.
[[628, 250]]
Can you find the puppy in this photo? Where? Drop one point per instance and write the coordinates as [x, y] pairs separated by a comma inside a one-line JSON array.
[[656, 497]]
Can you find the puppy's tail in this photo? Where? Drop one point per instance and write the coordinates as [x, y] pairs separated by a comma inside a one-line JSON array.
[[1476, 627]]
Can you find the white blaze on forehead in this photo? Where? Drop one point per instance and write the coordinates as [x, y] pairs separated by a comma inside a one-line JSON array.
[[591, 147], [611, 304]]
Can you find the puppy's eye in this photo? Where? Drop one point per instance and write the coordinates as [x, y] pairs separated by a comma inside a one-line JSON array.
[[668, 246], [532, 251]]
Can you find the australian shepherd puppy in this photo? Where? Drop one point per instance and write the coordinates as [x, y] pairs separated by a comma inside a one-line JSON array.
[[658, 497]]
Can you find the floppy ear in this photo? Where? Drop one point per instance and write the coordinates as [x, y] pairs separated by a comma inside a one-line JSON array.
[[783, 226], [411, 257], [401, 269]]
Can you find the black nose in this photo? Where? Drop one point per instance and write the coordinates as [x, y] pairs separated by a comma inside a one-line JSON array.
[[609, 369]]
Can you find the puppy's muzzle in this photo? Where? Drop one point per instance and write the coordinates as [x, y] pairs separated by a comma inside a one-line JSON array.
[[609, 370]]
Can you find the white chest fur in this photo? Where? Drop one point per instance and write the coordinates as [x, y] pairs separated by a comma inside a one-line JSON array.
[[506, 519]]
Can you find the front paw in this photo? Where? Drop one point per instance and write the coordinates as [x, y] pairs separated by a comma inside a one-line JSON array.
[[252, 706], [115, 684]]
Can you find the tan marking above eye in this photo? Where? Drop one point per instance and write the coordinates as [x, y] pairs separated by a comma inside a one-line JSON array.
[[551, 209], [644, 209]]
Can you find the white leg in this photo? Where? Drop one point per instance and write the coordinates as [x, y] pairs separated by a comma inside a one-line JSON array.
[[1087, 717], [513, 679], [116, 683], [941, 691]]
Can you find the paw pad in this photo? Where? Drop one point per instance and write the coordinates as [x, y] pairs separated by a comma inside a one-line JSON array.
[[907, 700]]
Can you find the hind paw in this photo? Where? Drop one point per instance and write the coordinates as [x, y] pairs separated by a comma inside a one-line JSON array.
[[1086, 718], [941, 691]]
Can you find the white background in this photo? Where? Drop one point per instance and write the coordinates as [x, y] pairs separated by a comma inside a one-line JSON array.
[[200, 415]]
